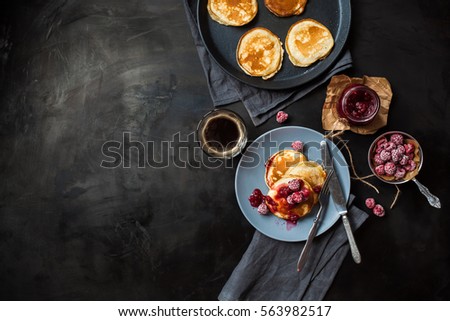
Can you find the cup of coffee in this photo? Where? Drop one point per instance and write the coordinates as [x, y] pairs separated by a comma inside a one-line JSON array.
[[222, 133]]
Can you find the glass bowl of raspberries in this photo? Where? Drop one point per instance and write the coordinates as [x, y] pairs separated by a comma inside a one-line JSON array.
[[395, 157]]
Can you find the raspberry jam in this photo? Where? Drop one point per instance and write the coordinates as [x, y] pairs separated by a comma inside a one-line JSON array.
[[358, 104]]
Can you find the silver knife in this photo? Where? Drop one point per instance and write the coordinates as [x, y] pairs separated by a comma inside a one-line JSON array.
[[339, 200]]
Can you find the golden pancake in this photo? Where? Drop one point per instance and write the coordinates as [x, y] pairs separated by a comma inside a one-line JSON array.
[[285, 8], [281, 208], [310, 172], [259, 53], [232, 12], [308, 41], [279, 163]]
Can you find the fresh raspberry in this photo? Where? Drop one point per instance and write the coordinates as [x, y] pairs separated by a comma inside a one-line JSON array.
[[390, 168], [370, 202], [397, 139], [284, 191], [282, 117], [404, 160], [290, 199], [305, 192], [385, 155], [298, 197], [380, 170], [396, 156], [390, 146], [295, 184], [297, 145], [256, 198], [409, 148], [263, 209], [401, 149], [377, 159], [378, 210], [400, 173]]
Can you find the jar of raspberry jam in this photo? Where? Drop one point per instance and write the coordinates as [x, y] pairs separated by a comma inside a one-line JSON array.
[[358, 104]]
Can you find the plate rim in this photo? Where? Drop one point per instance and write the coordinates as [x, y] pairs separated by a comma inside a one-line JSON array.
[[276, 218], [287, 83]]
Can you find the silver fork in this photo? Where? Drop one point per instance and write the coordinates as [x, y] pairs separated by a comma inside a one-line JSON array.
[[324, 197]]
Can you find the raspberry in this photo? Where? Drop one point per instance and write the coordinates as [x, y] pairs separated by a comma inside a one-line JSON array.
[[295, 184], [379, 149], [390, 146], [378, 210], [401, 149], [298, 197], [263, 209], [385, 155], [396, 156], [390, 168], [370, 202], [255, 200], [284, 191], [409, 148], [397, 139], [404, 160], [411, 166], [400, 173], [380, 170], [282, 117], [305, 192], [377, 159], [317, 189], [297, 145], [290, 199], [293, 218], [382, 142]]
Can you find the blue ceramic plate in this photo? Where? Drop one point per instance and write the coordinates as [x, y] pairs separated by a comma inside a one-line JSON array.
[[250, 175]]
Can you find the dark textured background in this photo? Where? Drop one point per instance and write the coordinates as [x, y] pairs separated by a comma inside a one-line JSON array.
[[75, 74]]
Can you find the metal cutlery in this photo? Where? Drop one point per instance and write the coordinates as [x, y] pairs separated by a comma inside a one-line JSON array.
[[324, 196], [339, 200]]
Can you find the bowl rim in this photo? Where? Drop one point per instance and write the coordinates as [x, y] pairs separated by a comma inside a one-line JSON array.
[[369, 158]]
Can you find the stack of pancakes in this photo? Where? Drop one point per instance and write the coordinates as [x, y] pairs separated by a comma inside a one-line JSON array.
[[284, 166]]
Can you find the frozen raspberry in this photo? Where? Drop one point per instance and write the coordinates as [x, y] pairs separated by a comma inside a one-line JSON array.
[[284, 191], [290, 199], [297, 145], [396, 156], [295, 184], [390, 168], [377, 159], [401, 149], [411, 166], [404, 160], [385, 155], [305, 192], [397, 139], [380, 170], [282, 117], [263, 209], [378, 210], [370, 202], [390, 146], [379, 149], [409, 148], [400, 173], [298, 197], [382, 142]]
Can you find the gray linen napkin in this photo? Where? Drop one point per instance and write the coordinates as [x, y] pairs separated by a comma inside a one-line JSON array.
[[261, 104], [268, 269]]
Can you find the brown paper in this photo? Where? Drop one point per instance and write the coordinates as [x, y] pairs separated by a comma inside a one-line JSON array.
[[330, 116]]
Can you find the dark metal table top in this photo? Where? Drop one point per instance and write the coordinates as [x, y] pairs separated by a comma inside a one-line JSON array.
[[75, 75]]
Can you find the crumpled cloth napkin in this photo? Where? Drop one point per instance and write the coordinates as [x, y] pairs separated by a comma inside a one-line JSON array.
[[261, 104], [268, 269]]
